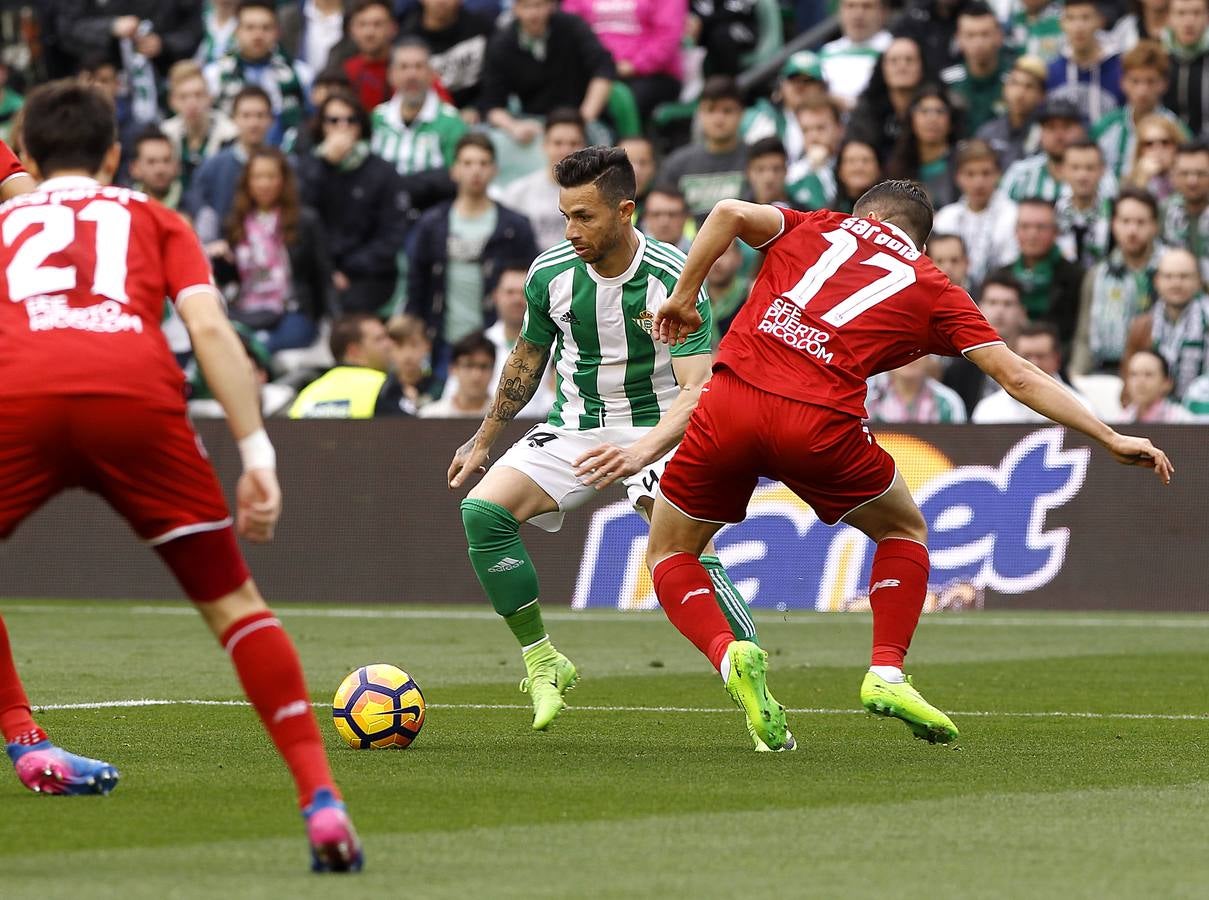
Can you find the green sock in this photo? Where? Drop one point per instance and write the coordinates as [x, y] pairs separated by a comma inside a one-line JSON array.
[[526, 624], [503, 567], [731, 602]]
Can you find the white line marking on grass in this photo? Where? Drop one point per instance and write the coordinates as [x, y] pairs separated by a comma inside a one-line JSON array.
[[806, 710]]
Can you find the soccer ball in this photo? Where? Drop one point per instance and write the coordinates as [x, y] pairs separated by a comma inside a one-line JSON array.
[[379, 707]]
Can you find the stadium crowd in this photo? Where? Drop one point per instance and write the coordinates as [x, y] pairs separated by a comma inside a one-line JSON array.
[[372, 178]]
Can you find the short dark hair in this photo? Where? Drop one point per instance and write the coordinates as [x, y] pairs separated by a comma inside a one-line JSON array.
[[720, 87], [608, 168], [976, 9], [474, 139], [1041, 328], [1188, 148], [356, 7], [769, 146], [1140, 195], [974, 150], [511, 265], [948, 236], [266, 5], [68, 125], [91, 62], [475, 342], [148, 135], [349, 99], [410, 41], [903, 202], [346, 331], [1035, 201], [332, 76], [566, 115], [1164, 366], [667, 190], [251, 92], [1002, 279], [1095, 3], [1084, 144]]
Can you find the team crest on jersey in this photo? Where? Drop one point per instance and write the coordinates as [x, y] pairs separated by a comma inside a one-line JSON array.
[[646, 321]]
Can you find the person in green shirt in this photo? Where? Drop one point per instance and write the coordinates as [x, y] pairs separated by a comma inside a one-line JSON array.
[[976, 83]]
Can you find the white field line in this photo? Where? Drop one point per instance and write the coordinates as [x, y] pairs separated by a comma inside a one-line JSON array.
[[1054, 714]]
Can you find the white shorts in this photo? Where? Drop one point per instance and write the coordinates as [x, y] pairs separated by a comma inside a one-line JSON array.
[[547, 454]]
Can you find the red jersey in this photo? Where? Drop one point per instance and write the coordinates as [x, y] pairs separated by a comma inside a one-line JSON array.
[[9, 164], [84, 270], [839, 299]]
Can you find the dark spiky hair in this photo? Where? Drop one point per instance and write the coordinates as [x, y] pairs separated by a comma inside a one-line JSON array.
[[68, 126], [902, 203], [608, 168]]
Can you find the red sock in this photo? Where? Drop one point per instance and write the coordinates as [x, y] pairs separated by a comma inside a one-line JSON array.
[[897, 588], [686, 594], [16, 721], [271, 675]]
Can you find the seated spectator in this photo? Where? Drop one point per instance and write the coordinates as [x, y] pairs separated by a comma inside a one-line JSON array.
[[218, 31], [361, 202], [1040, 175], [457, 247], [932, 25], [1083, 212], [925, 145], [910, 394], [1035, 28], [1187, 41], [415, 130], [1119, 287], [141, 38], [212, 187], [1148, 384], [410, 385], [275, 399], [984, 219], [355, 387], [1178, 325], [665, 217], [1184, 216], [276, 256], [1153, 157], [1016, 134], [1146, 20], [1049, 284], [312, 31], [472, 365], [536, 195], [767, 168], [713, 169], [1144, 81], [949, 254], [545, 60], [299, 142], [801, 82], [1196, 399], [372, 29], [154, 168], [1086, 72], [976, 82], [856, 170], [642, 158], [811, 180], [1000, 303], [257, 59], [644, 38], [727, 289], [457, 37], [848, 61], [197, 130], [882, 106], [1037, 342], [729, 33]]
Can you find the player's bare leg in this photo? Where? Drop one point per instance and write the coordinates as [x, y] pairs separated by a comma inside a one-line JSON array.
[[492, 516], [898, 586], [686, 593]]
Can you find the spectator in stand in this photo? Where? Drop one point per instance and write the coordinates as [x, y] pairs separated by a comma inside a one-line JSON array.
[[371, 29], [800, 83], [1016, 134], [1184, 216], [458, 247], [356, 387], [256, 59], [882, 106], [932, 25], [361, 202], [1196, 399], [1153, 157], [1087, 71], [1148, 384], [410, 384], [545, 60], [1146, 20], [1144, 81], [849, 60], [712, 170], [415, 130], [1035, 27], [1040, 175], [642, 157], [458, 38], [1000, 303], [218, 31], [473, 362], [536, 195], [212, 187], [154, 168], [948, 253], [312, 32], [986, 220], [115, 29], [10, 101], [1187, 41], [910, 394], [276, 271], [925, 145], [976, 82], [1118, 288], [767, 166], [727, 290], [1049, 284], [644, 38], [1038, 343], [299, 141], [1178, 325], [856, 170], [812, 178], [1083, 212], [729, 33], [197, 131], [666, 218]]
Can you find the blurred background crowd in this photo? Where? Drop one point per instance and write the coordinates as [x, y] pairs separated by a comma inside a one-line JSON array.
[[372, 178]]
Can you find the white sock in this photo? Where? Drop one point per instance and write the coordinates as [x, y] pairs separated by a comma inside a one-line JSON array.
[[544, 639], [724, 668], [892, 674]]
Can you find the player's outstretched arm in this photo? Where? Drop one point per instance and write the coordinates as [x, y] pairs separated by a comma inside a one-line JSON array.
[[1041, 393], [519, 381], [753, 223], [229, 374]]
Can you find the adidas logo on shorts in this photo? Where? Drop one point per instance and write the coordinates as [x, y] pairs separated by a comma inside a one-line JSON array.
[[569, 317], [507, 564]]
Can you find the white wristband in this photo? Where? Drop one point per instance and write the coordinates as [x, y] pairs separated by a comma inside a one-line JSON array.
[[257, 451]]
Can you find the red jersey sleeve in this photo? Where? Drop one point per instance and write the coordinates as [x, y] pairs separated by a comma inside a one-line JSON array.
[[185, 264], [958, 325], [9, 164], [790, 219]]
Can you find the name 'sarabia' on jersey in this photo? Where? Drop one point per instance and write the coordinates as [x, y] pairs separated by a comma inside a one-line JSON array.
[[839, 299], [84, 270], [610, 370]]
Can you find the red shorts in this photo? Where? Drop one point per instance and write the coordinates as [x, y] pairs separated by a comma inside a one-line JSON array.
[[739, 433]]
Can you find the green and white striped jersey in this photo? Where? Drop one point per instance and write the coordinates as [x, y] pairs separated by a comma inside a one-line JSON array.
[[609, 368], [1031, 177], [427, 143]]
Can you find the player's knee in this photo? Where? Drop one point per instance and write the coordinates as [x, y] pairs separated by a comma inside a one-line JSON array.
[[487, 523], [912, 527]]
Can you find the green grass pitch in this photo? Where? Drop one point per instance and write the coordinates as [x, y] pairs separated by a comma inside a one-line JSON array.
[[1081, 771]]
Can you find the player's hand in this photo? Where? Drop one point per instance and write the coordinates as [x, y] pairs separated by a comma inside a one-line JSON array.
[[676, 320], [1137, 451], [607, 463], [258, 505], [469, 459]]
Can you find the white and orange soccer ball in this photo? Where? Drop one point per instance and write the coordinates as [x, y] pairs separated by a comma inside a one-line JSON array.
[[378, 707]]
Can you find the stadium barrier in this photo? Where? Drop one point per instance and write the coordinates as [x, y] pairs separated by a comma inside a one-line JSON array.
[[1018, 517]]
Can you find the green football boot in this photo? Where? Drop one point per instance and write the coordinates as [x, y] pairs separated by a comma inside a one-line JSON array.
[[550, 676], [746, 686], [902, 701]]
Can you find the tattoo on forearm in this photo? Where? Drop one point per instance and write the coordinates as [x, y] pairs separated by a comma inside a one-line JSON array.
[[520, 380]]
